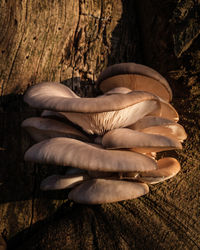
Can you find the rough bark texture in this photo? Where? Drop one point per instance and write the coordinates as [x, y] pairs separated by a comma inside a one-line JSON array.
[[72, 41]]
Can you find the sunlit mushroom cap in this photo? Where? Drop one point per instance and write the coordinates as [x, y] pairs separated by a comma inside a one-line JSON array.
[[99, 191], [51, 96], [71, 152], [167, 168], [166, 111], [118, 90], [44, 128], [159, 125], [57, 182], [138, 141], [133, 81], [94, 115]]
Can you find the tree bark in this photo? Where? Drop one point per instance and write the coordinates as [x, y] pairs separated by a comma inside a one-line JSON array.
[[72, 42]]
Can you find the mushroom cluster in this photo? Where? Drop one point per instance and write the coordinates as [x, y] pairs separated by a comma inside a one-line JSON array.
[[108, 143]]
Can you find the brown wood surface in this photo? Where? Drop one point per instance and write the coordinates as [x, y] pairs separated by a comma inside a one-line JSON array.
[[71, 42]]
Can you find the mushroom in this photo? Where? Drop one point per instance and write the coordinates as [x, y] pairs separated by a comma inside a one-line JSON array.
[[44, 128], [166, 111], [136, 77], [167, 168], [94, 115], [138, 141], [159, 125], [99, 191], [118, 90], [57, 182], [87, 156]]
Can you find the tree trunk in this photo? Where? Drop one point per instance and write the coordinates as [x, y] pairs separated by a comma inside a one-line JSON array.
[[72, 42]]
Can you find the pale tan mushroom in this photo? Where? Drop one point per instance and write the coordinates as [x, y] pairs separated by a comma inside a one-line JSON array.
[[94, 115], [167, 168], [159, 125], [71, 152], [118, 90], [166, 111], [136, 82], [131, 75], [44, 128], [99, 191], [57, 182], [138, 141]]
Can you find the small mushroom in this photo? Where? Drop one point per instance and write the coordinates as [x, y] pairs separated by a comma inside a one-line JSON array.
[[99, 191], [71, 152], [136, 82], [166, 111], [57, 182], [167, 168], [150, 121], [118, 90], [132, 72], [138, 141], [44, 128], [94, 115], [159, 125]]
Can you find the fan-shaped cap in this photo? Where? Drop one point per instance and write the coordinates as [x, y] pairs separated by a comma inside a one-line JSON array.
[[57, 182], [44, 128], [105, 113], [167, 168], [99, 191], [150, 121], [71, 152], [138, 141], [54, 97], [136, 82], [133, 68], [166, 111], [118, 90], [159, 125]]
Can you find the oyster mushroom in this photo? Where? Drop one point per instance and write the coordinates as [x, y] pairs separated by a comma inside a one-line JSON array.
[[166, 111], [57, 182], [87, 156], [167, 168], [138, 141], [136, 77], [99, 191], [159, 125], [44, 128], [94, 115]]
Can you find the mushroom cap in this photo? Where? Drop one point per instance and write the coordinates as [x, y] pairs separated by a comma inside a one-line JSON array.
[[159, 125], [50, 113], [44, 128], [57, 182], [136, 82], [118, 90], [71, 152], [166, 111], [53, 97], [138, 141], [151, 121], [173, 131], [133, 68], [167, 168], [99, 191]]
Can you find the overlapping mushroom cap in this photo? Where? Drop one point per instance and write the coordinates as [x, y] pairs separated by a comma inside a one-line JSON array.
[[126, 126]]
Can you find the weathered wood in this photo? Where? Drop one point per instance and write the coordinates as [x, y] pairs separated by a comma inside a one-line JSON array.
[[72, 41]]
